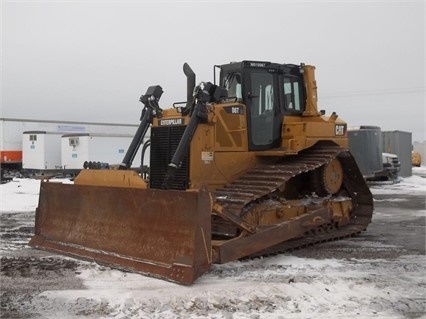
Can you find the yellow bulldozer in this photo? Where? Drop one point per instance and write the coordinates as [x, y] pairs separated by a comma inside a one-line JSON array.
[[246, 167]]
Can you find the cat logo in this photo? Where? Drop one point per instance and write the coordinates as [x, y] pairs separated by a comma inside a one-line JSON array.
[[168, 122]]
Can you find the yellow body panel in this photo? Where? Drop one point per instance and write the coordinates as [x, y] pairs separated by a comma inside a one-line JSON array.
[[219, 152], [299, 133], [113, 178], [219, 148]]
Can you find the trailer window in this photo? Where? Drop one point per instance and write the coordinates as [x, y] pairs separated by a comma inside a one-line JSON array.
[[73, 141]]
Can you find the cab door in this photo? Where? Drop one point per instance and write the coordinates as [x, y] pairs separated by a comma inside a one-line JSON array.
[[264, 116]]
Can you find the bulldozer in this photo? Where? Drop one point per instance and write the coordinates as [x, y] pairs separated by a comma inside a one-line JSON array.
[[247, 166]]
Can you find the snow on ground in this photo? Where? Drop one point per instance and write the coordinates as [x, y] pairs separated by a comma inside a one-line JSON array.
[[276, 287], [284, 286], [21, 194], [406, 185]]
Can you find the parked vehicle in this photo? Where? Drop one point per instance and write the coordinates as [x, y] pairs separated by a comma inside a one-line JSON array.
[[391, 168], [416, 159]]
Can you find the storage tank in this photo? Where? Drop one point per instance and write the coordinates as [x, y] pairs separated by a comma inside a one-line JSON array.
[[365, 144]]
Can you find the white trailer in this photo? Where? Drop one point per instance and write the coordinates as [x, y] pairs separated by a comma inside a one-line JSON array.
[[40, 150], [11, 131], [78, 150]]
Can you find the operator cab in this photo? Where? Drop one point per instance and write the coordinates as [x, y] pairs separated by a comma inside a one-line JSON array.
[[270, 91]]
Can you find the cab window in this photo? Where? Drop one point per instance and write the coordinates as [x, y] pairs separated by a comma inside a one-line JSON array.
[[293, 94], [232, 83]]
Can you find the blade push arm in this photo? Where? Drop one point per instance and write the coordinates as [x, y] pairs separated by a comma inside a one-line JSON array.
[[151, 109]]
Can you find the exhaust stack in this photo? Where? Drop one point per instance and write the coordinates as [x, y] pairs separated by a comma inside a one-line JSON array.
[[190, 85]]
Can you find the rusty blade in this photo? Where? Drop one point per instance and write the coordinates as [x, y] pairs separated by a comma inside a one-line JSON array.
[[164, 234]]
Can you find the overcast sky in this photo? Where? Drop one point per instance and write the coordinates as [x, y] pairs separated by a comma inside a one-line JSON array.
[[91, 60]]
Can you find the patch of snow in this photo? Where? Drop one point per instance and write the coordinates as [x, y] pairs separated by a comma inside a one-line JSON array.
[[21, 194], [388, 200], [278, 287], [406, 185]]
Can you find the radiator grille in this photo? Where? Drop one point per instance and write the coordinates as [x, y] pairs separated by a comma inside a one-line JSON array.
[[164, 142]]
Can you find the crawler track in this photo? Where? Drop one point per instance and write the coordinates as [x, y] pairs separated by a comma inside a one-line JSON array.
[[257, 184]]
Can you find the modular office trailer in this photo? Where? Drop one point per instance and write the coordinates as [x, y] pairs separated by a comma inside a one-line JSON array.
[[40, 150], [11, 133], [78, 149]]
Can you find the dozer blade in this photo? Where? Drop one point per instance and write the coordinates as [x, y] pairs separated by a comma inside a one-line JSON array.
[[165, 234]]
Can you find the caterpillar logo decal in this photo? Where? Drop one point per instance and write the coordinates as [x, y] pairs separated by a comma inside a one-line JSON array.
[[167, 122]]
